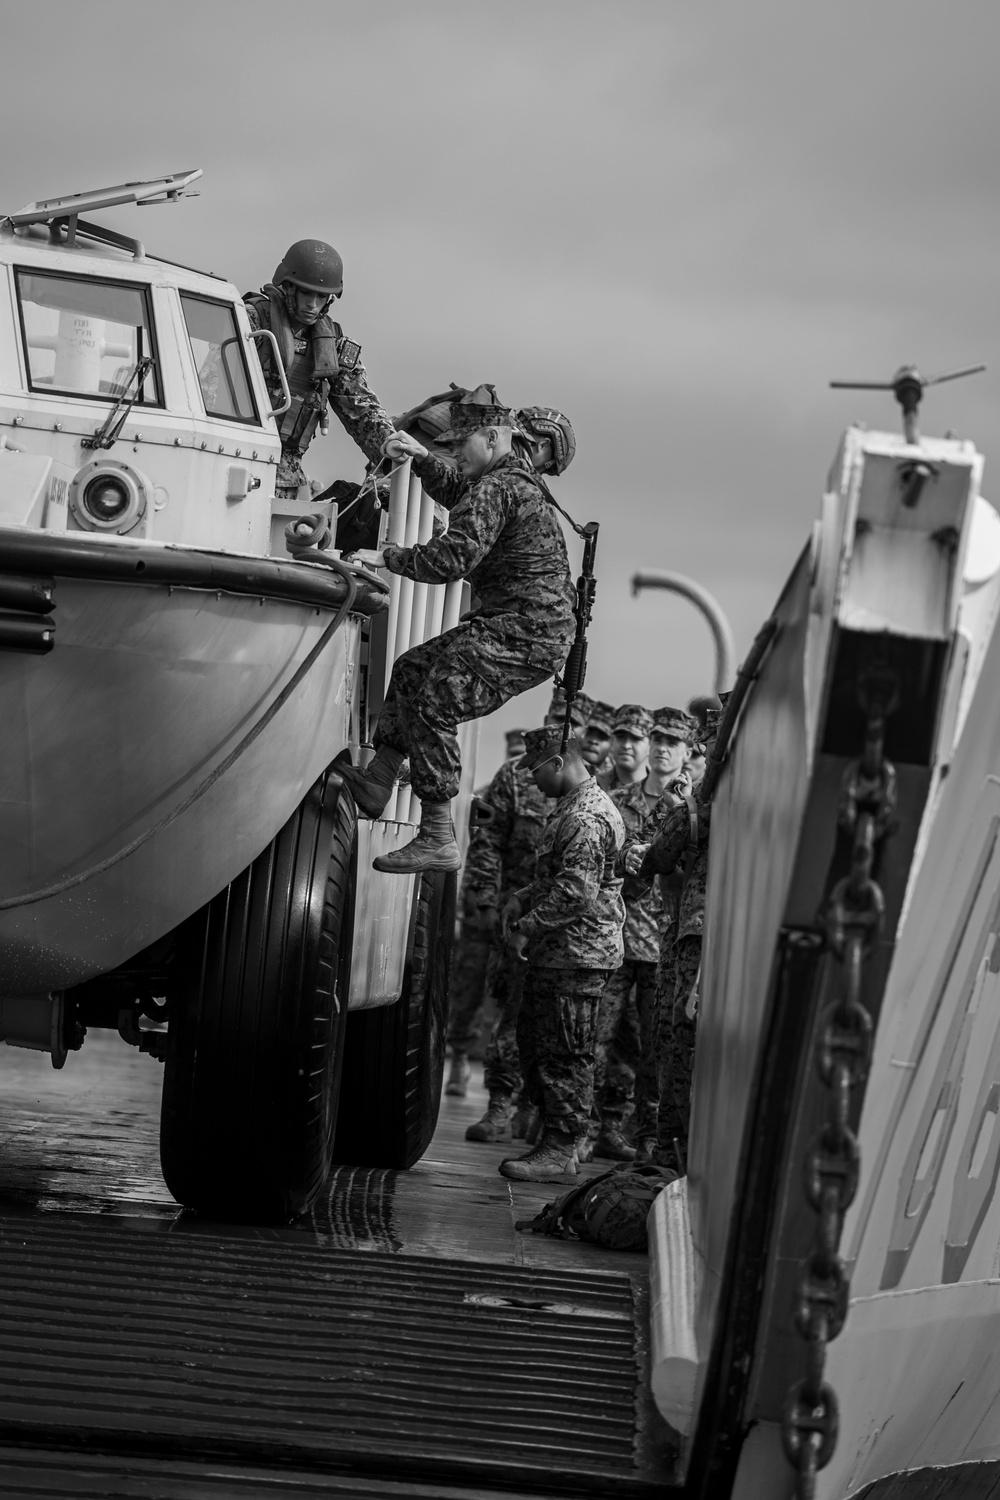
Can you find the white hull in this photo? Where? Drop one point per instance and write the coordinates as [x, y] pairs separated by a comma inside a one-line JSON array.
[[110, 743]]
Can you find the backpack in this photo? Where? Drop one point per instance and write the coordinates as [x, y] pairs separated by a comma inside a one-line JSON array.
[[609, 1210]]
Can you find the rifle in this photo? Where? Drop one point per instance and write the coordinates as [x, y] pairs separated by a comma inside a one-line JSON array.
[[575, 669]]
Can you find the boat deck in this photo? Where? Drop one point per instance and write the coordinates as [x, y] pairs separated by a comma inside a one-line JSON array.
[[404, 1338]]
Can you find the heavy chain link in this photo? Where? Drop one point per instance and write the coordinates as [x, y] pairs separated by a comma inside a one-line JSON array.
[[853, 923]]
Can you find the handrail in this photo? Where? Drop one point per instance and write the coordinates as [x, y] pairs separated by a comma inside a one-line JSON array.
[[265, 333]]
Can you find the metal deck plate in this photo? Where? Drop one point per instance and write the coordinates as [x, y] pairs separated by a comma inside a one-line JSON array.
[[139, 1341]]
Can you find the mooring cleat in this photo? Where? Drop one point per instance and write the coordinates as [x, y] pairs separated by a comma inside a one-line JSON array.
[[549, 1161]]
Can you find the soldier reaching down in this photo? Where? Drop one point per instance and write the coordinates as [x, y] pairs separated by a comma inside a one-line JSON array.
[[504, 536], [567, 925], [322, 367]]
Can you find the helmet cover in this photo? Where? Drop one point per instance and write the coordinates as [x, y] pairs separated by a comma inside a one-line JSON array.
[[312, 265]]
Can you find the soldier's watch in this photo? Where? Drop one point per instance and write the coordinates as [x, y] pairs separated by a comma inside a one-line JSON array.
[[514, 926]]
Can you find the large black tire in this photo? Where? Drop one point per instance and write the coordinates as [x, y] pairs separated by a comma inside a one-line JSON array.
[[258, 1010], [394, 1054]]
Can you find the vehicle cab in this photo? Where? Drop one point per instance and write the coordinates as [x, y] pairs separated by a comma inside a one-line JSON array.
[[131, 401]]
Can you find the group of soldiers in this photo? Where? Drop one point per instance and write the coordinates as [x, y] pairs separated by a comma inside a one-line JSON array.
[[582, 903], [585, 878]]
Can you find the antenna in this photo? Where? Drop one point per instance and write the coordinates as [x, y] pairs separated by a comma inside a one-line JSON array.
[[907, 385]]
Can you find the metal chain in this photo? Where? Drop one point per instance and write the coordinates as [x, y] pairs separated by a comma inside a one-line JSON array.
[[853, 923]]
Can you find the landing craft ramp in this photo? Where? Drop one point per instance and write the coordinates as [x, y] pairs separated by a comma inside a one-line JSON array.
[[403, 1339]]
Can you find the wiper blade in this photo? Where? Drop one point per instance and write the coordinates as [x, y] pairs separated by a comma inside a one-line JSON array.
[[110, 429]]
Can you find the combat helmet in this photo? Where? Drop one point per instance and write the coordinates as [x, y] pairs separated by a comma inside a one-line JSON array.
[[313, 265], [545, 422]]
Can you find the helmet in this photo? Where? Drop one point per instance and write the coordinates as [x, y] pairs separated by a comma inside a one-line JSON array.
[[545, 422], [313, 265]]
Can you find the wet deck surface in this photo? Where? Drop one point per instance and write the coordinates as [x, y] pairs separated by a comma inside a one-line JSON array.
[[85, 1140], [524, 1353]]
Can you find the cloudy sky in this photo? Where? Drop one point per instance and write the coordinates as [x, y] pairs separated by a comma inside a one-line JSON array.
[[674, 219]]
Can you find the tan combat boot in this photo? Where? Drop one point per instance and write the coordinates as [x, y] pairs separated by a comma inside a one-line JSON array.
[[371, 786], [554, 1157], [458, 1076], [493, 1125], [434, 847]]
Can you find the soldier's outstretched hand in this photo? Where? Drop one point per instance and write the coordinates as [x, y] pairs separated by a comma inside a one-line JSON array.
[[400, 445]]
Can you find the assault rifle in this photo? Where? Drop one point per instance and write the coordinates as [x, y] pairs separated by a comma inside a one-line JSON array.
[[575, 669]]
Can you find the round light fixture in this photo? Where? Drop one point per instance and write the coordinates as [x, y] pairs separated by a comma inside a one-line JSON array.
[[106, 495]]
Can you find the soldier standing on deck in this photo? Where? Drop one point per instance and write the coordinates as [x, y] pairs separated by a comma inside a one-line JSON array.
[[504, 536], [630, 731], [568, 926], [680, 844], [502, 858], [647, 918], [467, 989], [323, 368], [596, 742]]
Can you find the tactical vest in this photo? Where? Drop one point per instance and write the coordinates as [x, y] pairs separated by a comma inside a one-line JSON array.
[[329, 353]]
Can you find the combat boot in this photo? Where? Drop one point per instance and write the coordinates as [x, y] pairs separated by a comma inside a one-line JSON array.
[[552, 1158], [458, 1075], [494, 1124], [524, 1121], [434, 847], [611, 1145], [371, 786]]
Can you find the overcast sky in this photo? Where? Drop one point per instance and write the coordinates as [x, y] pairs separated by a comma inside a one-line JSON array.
[[674, 219]]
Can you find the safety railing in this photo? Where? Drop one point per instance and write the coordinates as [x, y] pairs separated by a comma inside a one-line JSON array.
[[417, 611]]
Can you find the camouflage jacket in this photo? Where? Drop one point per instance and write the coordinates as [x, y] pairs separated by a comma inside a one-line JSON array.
[[348, 393], [573, 909], [502, 853], [504, 537], [672, 852], [647, 914]]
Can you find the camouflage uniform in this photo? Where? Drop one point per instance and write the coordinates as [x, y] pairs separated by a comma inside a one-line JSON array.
[[646, 922], [680, 961], [467, 984], [323, 369], [501, 859], [504, 536], [573, 918]]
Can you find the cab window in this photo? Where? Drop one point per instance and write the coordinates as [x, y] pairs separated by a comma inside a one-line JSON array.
[[85, 337], [217, 347]]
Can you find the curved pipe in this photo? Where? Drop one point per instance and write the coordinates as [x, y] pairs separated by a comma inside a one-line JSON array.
[[710, 607]]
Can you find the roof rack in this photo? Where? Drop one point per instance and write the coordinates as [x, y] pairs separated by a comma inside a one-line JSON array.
[[63, 214]]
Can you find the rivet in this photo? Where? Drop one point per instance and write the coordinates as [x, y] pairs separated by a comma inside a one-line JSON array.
[[239, 453], [254, 453], [57, 427], [177, 442], [17, 421], [203, 447], [222, 447]]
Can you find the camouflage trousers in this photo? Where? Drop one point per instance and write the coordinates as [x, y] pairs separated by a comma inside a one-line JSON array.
[[677, 973], [465, 673], [556, 1034], [630, 990], [505, 978], [467, 989]]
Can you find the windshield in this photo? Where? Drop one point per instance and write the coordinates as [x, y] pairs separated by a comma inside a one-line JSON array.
[[218, 355], [84, 337]]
